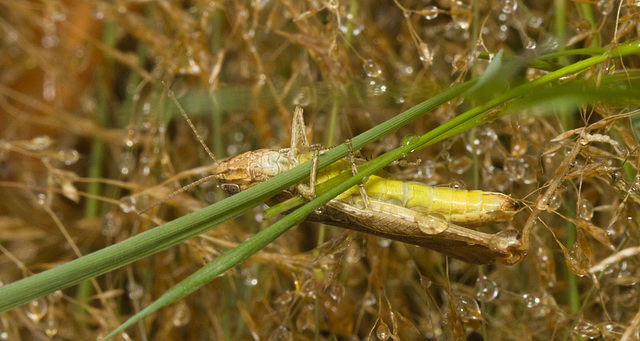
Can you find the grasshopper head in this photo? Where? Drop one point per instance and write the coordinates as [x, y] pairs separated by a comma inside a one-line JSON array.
[[251, 168]]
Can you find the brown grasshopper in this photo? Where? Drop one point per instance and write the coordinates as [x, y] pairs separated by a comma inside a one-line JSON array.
[[437, 218]]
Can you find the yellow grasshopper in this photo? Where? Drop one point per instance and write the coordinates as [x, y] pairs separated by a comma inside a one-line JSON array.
[[438, 218]]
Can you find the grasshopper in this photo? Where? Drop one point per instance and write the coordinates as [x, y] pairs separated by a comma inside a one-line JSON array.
[[437, 218]]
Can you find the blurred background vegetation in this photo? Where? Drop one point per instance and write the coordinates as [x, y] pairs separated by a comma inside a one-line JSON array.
[[85, 126]]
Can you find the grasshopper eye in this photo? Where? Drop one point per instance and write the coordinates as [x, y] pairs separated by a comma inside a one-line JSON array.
[[230, 189]]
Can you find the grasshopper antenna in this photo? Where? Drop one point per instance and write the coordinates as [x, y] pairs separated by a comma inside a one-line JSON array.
[[186, 117], [195, 131], [182, 189]]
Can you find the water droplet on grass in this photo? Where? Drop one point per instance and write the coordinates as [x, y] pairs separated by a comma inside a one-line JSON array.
[[36, 309], [487, 290], [430, 12], [372, 69]]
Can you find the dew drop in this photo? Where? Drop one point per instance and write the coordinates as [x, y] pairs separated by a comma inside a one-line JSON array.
[[605, 6], [336, 291], [407, 140], [49, 41], [356, 30], [232, 149], [535, 22], [372, 69], [538, 306], [248, 278], [635, 186], [518, 147], [430, 12], [530, 44], [485, 139], [585, 209], [42, 199], [131, 137], [531, 300], [503, 33], [68, 156], [382, 332], [303, 97], [51, 327], [461, 14], [375, 88], [55, 296], [258, 217], [181, 315], [128, 204], [551, 44], [426, 53], [509, 6], [248, 34], [612, 330], [487, 290], [135, 290], [39, 143], [6, 330], [586, 329], [36, 309], [49, 87], [369, 299], [514, 168], [468, 309]]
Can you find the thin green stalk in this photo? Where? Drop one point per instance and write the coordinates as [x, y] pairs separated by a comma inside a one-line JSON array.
[[560, 27]]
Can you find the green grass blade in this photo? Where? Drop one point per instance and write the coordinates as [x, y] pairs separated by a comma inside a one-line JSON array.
[[162, 237]]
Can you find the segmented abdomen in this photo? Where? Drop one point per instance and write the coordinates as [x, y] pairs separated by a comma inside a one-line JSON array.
[[462, 207]]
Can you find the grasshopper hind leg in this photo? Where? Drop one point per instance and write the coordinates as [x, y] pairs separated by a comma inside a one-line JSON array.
[[299, 139], [300, 144], [354, 171]]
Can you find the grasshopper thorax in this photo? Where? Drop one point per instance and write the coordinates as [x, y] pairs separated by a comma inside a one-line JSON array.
[[245, 170]]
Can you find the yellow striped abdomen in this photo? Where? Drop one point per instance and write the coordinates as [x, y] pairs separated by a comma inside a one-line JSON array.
[[468, 208], [462, 207]]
